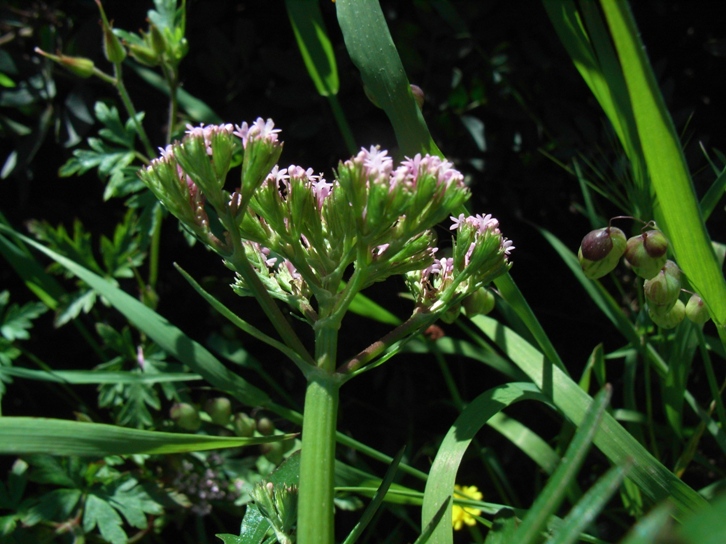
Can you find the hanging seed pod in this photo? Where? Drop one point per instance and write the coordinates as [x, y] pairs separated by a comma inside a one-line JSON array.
[[600, 251], [662, 290], [670, 319], [243, 424], [219, 410], [646, 253], [696, 310], [185, 416]]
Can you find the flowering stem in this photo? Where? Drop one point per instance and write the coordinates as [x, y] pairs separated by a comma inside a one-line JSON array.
[[317, 461]]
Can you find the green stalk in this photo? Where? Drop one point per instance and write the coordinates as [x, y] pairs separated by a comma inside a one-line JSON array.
[[317, 462]]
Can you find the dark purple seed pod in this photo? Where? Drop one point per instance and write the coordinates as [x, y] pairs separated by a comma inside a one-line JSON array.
[[600, 251]]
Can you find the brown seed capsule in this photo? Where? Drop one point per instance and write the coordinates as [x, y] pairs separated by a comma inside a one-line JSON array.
[[600, 251]]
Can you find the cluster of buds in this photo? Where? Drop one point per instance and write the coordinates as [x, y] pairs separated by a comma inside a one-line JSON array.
[[601, 250], [278, 504], [301, 233], [163, 44]]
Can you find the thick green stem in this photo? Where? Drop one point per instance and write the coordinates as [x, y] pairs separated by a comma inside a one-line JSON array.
[[317, 461]]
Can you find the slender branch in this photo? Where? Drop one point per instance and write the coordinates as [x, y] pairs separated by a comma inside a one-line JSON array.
[[419, 320]]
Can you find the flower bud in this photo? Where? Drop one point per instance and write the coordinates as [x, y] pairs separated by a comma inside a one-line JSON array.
[[144, 55], [113, 49], [696, 310], [265, 426], [647, 253], [80, 66], [600, 251], [480, 302], [662, 290], [219, 409], [668, 319], [418, 95], [243, 425], [185, 416], [158, 42]]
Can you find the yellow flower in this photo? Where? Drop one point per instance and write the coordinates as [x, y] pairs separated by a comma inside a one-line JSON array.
[[461, 515]]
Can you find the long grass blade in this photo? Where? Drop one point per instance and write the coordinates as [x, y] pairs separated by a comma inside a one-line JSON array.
[[613, 440], [26, 435], [442, 476], [551, 497]]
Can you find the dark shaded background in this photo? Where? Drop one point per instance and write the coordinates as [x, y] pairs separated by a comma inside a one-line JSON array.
[[510, 73]]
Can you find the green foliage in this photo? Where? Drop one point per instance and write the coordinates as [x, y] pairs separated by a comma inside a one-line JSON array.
[[661, 436], [112, 153]]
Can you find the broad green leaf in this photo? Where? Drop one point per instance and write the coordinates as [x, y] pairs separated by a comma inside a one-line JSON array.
[[613, 440], [24, 435], [372, 50]]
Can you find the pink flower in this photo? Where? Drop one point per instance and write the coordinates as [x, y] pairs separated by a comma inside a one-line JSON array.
[[259, 130]]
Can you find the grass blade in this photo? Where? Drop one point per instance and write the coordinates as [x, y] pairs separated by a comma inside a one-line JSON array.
[[26, 435], [166, 335], [442, 476], [551, 497], [587, 508], [613, 440]]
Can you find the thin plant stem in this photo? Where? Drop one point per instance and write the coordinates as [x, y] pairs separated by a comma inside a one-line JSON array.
[[716, 391], [131, 111], [343, 125]]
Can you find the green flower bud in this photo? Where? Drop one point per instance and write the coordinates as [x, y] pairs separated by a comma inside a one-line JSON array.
[[113, 49], [219, 409], [243, 425], [158, 42], [80, 66], [144, 55], [696, 310], [662, 290], [480, 302], [265, 426], [600, 251], [668, 319], [647, 253], [185, 416]]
